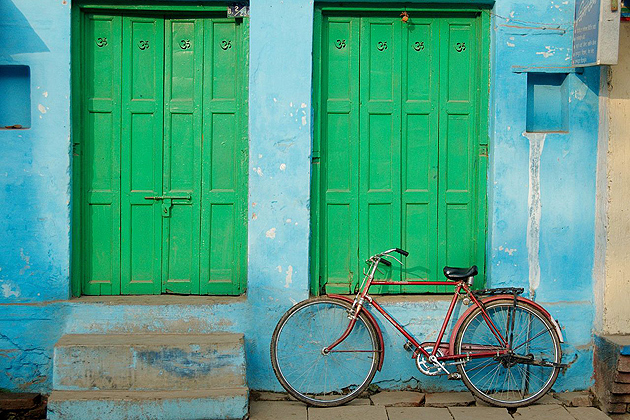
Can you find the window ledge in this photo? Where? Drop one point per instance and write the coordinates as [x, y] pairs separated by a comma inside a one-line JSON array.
[[160, 300]]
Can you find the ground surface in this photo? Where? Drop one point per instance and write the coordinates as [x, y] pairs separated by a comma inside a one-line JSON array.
[[410, 405]]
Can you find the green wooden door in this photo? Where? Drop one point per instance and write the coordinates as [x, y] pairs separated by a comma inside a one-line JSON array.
[[397, 147], [163, 173]]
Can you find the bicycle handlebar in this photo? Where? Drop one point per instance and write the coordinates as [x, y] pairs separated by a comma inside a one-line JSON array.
[[380, 257], [402, 252], [387, 263], [389, 251]]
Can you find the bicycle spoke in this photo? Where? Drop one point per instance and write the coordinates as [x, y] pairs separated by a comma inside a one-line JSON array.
[[307, 373], [531, 339], [505, 379]]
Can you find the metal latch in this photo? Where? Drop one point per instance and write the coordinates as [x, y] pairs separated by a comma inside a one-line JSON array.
[[167, 201]]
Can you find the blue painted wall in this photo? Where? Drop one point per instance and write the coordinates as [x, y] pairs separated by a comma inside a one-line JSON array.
[[540, 210]]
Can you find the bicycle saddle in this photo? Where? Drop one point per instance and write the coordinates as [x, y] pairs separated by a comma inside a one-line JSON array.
[[454, 273]]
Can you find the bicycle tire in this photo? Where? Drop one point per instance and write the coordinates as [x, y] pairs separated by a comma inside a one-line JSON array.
[[309, 375], [494, 378]]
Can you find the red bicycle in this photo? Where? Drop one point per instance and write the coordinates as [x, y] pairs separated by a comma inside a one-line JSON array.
[[325, 351]]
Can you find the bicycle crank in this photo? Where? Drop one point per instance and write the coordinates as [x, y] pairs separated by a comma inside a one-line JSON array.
[[431, 366]]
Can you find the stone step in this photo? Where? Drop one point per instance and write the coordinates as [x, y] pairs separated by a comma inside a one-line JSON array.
[[143, 362], [225, 403]]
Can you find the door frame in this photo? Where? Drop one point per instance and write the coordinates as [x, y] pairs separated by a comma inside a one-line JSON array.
[[483, 136], [79, 8]]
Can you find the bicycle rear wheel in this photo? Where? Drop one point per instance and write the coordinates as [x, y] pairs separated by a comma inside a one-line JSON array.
[[298, 360], [512, 380]]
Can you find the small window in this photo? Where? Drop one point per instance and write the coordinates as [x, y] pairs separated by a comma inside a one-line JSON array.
[[547, 102], [15, 97]]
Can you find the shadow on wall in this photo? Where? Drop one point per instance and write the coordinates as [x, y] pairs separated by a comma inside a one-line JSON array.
[[18, 36]]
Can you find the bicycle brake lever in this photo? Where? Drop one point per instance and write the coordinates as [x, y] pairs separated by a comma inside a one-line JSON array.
[[399, 262]]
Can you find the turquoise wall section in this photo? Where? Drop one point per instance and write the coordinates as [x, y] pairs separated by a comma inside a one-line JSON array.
[[541, 191], [35, 163]]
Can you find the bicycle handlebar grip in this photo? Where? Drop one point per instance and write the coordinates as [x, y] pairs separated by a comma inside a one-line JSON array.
[[387, 263], [402, 251]]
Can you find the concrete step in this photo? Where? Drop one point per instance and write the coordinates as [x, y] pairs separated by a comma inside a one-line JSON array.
[[143, 362], [226, 403]]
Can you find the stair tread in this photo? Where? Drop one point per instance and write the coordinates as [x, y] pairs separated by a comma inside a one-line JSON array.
[[57, 395], [150, 339]]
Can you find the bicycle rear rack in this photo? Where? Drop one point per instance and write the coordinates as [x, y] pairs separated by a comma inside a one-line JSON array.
[[499, 291]]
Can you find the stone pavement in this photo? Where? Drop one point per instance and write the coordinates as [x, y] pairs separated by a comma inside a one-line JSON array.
[[411, 405]]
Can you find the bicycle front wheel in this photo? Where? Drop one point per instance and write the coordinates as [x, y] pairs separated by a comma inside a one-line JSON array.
[[521, 377], [307, 372]]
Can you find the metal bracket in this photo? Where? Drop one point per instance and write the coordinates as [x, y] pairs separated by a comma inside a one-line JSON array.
[[483, 150], [167, 202]]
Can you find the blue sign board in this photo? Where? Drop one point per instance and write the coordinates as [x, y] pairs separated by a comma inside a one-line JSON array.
[[586, 32]]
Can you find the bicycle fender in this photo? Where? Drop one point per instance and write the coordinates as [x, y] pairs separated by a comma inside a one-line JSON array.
[[553, 321], [503, 297], [371, 318]]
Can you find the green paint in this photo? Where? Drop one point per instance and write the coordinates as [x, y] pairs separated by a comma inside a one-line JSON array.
[[162, 114], [396, 152]]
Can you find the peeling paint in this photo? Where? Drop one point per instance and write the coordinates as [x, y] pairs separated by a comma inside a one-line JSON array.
[[271, 233], [509, 251], [536, 144], [289, 278], [283, 166], [41, 108], [580, 92], [550, 51], [9, 289], [26, 259]]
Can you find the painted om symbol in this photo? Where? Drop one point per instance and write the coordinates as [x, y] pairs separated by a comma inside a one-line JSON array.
[[418, 46], [143, 45], [340, 43]]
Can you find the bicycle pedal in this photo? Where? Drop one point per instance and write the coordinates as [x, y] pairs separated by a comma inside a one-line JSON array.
[[455, 376], [409, 346]]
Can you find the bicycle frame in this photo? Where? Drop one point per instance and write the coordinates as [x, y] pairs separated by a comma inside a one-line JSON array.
[[363, 295]]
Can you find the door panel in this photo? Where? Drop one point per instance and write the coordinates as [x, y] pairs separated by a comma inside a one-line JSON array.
[[182, 154], [224, 156], [340, 176], [458, 149], [101, 166], [379, 142], [141, 155], [398, 160], [420, 90]]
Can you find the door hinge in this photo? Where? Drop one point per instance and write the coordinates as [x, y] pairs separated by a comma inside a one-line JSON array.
[[483, 150]]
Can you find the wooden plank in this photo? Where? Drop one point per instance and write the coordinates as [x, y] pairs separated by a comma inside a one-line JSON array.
[[101, 162], [142, 154]]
